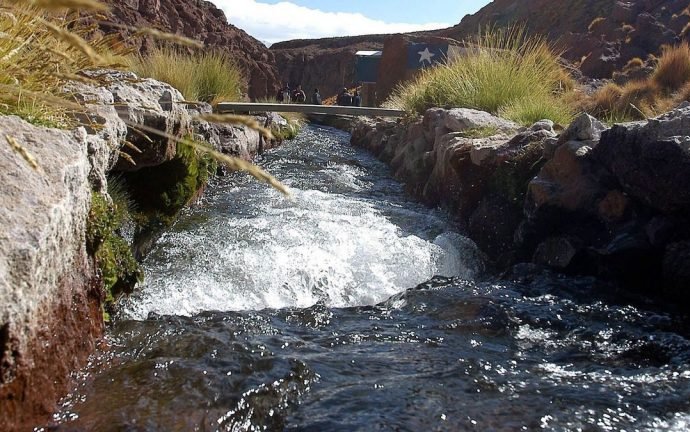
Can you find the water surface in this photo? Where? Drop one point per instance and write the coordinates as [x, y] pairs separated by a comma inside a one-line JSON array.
[[351, 308]]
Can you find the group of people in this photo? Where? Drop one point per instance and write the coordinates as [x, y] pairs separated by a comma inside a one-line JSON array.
[[297, 96], [347, 99], [286, 95]]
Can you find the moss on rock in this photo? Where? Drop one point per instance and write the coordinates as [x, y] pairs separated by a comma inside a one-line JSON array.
[[119, 269], [511, 178], [160, 192]]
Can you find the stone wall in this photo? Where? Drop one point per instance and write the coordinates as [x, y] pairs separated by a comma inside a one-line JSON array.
[[592, 200]]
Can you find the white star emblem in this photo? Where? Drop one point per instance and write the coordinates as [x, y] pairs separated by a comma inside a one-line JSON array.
[[425, 55]]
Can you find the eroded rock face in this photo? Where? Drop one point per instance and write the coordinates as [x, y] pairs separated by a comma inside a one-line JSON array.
[[203, 21], [611, 202], [652, 160], [474, 178], [50, 298]]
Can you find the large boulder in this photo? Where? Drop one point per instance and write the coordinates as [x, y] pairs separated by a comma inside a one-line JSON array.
[[460, 119], [50, 301], [651, 159]]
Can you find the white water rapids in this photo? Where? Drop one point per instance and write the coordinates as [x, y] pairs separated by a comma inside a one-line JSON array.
[[344, 238]]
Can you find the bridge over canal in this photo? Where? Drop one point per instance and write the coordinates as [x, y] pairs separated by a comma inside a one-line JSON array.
[[242, 107]]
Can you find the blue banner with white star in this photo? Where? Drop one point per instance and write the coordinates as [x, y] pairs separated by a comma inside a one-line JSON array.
[[420, 56]]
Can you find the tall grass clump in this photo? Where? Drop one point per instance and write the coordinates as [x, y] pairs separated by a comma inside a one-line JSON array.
[[41, 48], [673, 69], [636, 100], [503, 71], [208, 76]]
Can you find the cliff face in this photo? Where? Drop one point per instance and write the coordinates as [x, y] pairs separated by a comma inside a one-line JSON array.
[[326, 64], [203, 21]]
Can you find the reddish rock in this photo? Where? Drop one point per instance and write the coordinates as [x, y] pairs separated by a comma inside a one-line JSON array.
[[203, 21], [50, 298]]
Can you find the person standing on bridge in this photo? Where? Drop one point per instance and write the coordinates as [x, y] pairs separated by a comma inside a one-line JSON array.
[[316, 97], [299, 96], [344, 98], [285, 94], [356, 99]]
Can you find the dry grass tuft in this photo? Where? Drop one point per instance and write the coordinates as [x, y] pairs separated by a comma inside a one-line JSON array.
[[38, 54], [683, 94], [633, 63], [83, 5], [673, 69], [207, 76], [638, 99], [503, 68], [604, 101]]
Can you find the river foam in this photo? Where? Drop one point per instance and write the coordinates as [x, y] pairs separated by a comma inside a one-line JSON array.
[[343, 239]]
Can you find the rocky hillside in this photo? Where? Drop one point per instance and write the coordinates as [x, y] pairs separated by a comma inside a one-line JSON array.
[[199, 19], [600, 36]]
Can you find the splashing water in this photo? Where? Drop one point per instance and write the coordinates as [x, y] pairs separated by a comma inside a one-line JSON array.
[[347, 237]]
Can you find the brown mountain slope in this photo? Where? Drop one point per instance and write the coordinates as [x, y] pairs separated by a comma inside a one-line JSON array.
[[622, 31], [200, 19], [599, 35]]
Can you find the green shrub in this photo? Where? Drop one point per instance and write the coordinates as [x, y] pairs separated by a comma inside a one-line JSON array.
[[209, 76], [501, 68]]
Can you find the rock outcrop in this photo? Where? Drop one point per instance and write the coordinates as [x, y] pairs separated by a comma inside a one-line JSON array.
[[50, 295], [54, 273], [593, 200], [201, 20]]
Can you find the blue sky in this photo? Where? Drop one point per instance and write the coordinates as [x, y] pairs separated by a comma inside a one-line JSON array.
[[276, 20]]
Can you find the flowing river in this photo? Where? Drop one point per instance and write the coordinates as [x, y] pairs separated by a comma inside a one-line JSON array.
[[349, 307]]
